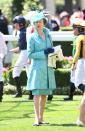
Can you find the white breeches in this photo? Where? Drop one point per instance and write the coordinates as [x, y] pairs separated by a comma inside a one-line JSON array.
[[72, 76], [21, 62], [1, 67], [80, 72]]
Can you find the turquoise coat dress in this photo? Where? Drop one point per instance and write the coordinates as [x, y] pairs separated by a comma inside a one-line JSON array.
[[41, 79]]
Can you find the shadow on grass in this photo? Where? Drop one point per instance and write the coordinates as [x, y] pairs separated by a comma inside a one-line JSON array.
[[17, 101], [62, 99], [67, 125], [17, 117], [23, 116], [17, 104], [12, 109], [65, 101]]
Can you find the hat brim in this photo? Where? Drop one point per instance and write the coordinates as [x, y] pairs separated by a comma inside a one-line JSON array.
[[38, 16], [37, 19]]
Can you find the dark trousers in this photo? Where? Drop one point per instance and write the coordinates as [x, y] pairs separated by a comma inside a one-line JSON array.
[[1, 90]]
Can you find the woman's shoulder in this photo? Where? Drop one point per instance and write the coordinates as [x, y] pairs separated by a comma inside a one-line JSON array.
[[46, 30], [32, 36]]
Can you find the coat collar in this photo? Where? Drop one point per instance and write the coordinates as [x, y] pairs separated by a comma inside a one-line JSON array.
[[46, 31]]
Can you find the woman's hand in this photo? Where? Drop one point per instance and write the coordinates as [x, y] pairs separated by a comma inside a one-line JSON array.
[[29, 61], [48, 51], [73, 67], [14, 50]]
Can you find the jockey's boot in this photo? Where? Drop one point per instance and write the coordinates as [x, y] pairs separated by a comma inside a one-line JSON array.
[[30, 97], [50, 97], [18, 86], [72, 90], [81, 87]]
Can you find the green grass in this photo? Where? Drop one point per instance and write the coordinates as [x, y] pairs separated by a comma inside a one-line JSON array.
[[18, 115]]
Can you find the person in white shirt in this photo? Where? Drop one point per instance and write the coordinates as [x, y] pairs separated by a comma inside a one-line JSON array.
[[3, 52]]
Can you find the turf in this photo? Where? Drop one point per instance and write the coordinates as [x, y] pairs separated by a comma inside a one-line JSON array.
[[18, 115]]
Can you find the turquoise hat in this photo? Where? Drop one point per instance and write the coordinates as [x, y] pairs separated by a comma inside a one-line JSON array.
[[38, 16]]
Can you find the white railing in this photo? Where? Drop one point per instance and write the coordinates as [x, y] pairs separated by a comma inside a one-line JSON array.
[[11, 38], [62, 35], [56, 36]]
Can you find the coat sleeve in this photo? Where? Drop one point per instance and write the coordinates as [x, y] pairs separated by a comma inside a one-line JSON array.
[[77, 53], [32, 54], [50, 38]]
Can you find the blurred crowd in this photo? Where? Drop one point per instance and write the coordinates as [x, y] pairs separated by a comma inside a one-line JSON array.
[[63, 19]]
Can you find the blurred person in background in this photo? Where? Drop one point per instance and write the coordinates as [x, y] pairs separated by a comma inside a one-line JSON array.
[[3, 52], [83, 11], [3, 23], [64, 19], [48, 15], [52, 23], [9, 57], [77, 14], [6, 30]]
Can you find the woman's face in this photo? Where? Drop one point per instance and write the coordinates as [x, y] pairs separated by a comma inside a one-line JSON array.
[[39, 24], [76, 32]]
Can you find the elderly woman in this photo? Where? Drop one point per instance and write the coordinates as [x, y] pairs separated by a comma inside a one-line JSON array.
[[41, 80]]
